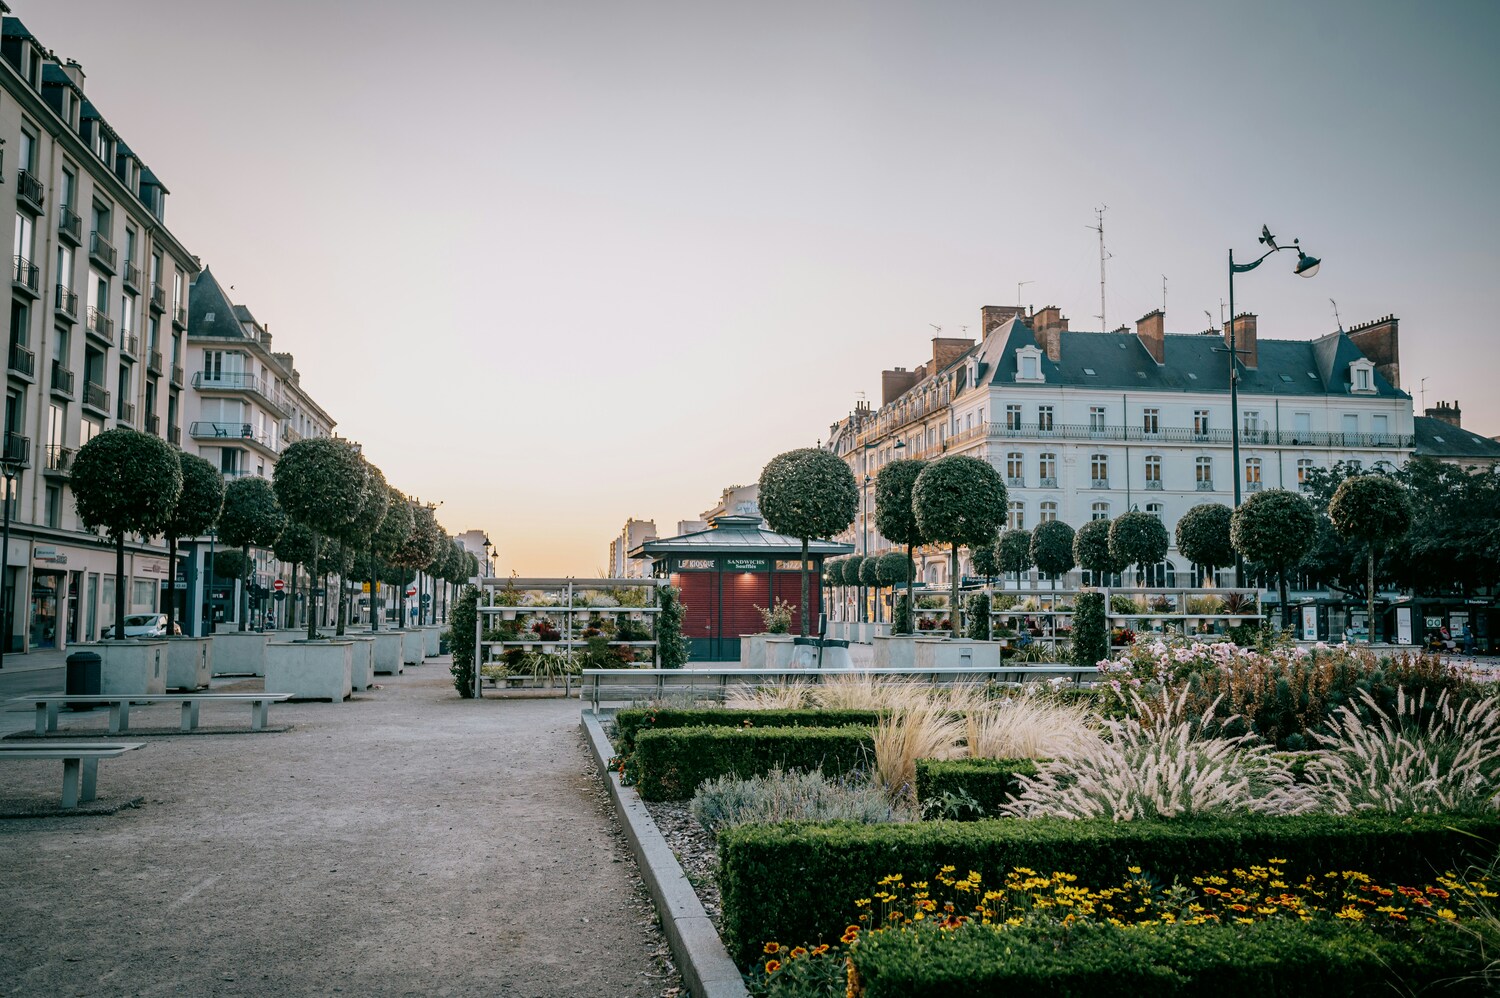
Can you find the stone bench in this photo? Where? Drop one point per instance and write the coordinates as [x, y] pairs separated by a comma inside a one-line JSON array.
[[119, 707], [80, 764]]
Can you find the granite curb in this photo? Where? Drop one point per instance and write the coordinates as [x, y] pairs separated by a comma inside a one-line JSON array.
[[701, 956]]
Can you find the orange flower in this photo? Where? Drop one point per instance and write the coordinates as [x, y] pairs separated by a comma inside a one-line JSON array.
[[771, 948], [799, 951], [772, 966]]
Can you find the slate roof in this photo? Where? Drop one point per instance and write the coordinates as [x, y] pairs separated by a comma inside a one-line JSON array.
[[11, 27], [1437, 439], [1194, 363], [737, 535], [207, 297]]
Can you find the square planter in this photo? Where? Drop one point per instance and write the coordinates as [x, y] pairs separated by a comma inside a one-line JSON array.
[[411, 647], [387, 652], [362, 665], [189, 663], [948, 653], [753, 651], [311, 670], [431, 635], [780, 651], [239, 653], [895, 651], [134, 665]]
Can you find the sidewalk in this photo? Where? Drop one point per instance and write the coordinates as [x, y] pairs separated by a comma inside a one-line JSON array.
[[46, 658]]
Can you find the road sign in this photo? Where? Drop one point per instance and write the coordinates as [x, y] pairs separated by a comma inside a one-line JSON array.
[[364, 587], [278, 595], [426, 598], [412, 591], [278, 585]]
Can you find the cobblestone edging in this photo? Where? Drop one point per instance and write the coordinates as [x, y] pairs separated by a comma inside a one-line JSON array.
[[701, 957]]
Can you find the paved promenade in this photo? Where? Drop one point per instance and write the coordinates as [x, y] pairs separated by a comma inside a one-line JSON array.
[[404, 843]]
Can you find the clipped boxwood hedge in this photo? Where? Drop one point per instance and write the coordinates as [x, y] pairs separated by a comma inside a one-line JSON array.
[[630, 722], [797, 882], [990, 782], [1265, 959], [671, 763]]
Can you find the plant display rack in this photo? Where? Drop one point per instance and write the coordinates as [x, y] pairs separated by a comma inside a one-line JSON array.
[[1178, 613], [569, 616]]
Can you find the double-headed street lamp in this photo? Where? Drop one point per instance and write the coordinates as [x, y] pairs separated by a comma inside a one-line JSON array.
[[1307, 266]]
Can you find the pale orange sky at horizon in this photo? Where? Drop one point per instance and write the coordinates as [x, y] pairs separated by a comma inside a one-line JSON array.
[[557, 265]]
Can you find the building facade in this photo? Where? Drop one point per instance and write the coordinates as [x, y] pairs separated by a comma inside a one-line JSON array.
[[1441, 437], [97, 315], [631, 536], [1086, 426]]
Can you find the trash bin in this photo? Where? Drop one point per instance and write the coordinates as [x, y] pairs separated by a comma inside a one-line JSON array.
[[835, 653], [83, 677]]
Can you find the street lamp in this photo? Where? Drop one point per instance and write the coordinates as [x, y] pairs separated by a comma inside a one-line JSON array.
[[11, 460], [864, 529], [488, 572], [1307, 266]]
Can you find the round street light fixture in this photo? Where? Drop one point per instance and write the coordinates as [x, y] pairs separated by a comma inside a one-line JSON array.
[[1307, 266]]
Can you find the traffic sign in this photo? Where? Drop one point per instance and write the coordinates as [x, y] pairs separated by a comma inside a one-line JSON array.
[[426, 598], [278, 595], [278, 585], [412, 591]]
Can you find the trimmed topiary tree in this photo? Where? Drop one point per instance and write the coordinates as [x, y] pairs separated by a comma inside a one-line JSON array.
[[891, 570], [321, 482], [388, 540], [1052, 549], [197, 509], [1091, 550], [869, 577], [1140, 539], [979, 617], [849, 568], [416, 552], [358, 533], [125, 482], [462, 624], [1275, 529], [1090, 628], [807, 493], [1014, 550], [251, 518], [1203, 535], [1376, 511], [671, 646], [295, 547], [959, 500], [985, 560], [894, 516]]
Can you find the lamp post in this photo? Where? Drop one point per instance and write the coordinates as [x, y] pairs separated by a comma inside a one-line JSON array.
[[208, 583], [10, 463], [1307, 266], [864, 528], [488, 571]]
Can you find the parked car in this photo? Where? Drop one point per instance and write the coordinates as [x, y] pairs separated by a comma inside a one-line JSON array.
[[143, 625]]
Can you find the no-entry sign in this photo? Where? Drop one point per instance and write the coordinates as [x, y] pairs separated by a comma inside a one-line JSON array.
[[412, 591], [278, 585]]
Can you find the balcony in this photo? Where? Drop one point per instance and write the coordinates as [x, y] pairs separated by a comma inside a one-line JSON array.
[[96, 397], [238, 382], [178, 375], [1205, 485], [153, 425], [62, 380], [29, 191], [70, 226], [174, 436], [132, 276], [126, 412], [1187, 435], [153, 362], [1046, 483], [1100, 483], [26, 277], [101, 326], [130, 343], [288, 434], [1015, 483], [203, 430], [17, 450], [65, 303], [158, 297], [102, 252], [1252, 486], [22, 361], [179, 315], [1153, 485], [59, 460]]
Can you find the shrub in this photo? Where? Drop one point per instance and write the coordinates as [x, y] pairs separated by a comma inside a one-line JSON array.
[[778, 619], [672, 763], [782, 796], [1090, 635], [1101, 961], [800, 881], [979, 617], [631, 722], [901, 615], [462, 620], [988, 783]]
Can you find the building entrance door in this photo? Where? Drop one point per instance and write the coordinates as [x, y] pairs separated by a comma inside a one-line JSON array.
[[44, 593]]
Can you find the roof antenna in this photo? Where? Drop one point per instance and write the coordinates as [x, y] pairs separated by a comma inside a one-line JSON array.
[[1099, 228], [1336, 318], [1163, 292], [935, 327], [1019, 286], [1210, 320]]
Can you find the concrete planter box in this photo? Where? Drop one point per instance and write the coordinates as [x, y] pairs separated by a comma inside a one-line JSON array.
[[239, 653], [780, 651], [189, 663], [753, 649], [135, 665], [895, 651], [411, 647], [947, 653], [311, 670], [362, 663], [387, 653], [432, 636]]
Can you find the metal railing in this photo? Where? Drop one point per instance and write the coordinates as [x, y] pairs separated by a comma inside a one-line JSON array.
[[22, 360], [1182, 434], [26, 275], [179, 315], [237, 381], [1253, 486], [16, 449], [126, 412], [132, 275], [102, 251], [153, 362], [1153, 485], [62, 379], [59, 458], [96, 396], [158, 297], [1046, 483], [1205, 485], [899, 414], [130, 343], [174, 435], [178, 374], [66, 302], [101, 325], [1099, 483], [1016, 483], [70, 225], [153, 424], [29, 189], [207, 430]]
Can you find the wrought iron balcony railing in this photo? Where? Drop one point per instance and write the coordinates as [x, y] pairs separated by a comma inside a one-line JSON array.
[[29, 190]]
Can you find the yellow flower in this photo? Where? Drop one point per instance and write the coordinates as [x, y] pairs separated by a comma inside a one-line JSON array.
[[771, 948], [772, 966], [799, 951], [1133, 869]]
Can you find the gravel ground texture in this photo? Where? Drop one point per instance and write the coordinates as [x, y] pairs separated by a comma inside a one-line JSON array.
[[406, 842], [695, 849]]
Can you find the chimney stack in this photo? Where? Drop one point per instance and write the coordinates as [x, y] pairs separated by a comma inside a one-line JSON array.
[[1449, 414], [1151, 330], [947, 349], [74, 72], [1381, 342], [894, 384], [1244, 336], [991, 316], [1048, 324]]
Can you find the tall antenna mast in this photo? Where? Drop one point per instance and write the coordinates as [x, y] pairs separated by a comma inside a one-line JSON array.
[[1423, 386], [1163, 292], [1019, 286], [1099, 228], [1336, 319]]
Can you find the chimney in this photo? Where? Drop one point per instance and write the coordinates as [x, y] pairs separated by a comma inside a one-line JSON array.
[[991, 316], [1151, 330], [1048, 323], [74, 72], [1381, 342], [947, 349], [1449, 414], [894, 384], [1244, 334]]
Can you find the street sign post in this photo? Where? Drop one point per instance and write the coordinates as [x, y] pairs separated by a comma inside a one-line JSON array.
[[278, 585]]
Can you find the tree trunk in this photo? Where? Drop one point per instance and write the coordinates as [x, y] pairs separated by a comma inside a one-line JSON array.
[[376, 610], [119, 587], [343, 593], [953, 614], [245, 590], [911, 581], [802, 612], [171, 583], [291, 602], [1370, 597], [312, 588]]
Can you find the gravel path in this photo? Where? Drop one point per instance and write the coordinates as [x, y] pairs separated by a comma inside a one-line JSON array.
[[403, 843]]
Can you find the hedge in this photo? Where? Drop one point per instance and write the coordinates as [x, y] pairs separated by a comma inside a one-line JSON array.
[[629, 722], [1261, 960], [990, 782], [797, 882], [671, 764]]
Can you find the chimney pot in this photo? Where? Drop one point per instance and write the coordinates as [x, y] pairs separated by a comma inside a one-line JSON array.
[[1243, 326], [1151, 330]]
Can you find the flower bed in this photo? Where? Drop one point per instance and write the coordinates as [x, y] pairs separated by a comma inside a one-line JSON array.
[[670, 764]]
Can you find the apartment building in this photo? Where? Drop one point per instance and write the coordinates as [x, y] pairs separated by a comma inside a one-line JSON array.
[[1088, 425], [631, 536], [96, 315]]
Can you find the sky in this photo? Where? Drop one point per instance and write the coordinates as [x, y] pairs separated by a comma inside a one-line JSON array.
[[559, 264]]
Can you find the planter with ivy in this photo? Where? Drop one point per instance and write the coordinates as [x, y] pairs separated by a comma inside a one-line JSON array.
[[189, 663], [320, 669], [239, 653]]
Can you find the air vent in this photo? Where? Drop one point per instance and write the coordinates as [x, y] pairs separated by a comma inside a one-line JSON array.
[[1287, 378], [1090, 372]]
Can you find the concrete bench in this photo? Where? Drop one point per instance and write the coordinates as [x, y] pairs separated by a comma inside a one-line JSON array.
[[119, 707], [80, 764]]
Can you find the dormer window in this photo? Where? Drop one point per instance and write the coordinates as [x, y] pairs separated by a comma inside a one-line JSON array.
[[1362, 377], [1029, 365]]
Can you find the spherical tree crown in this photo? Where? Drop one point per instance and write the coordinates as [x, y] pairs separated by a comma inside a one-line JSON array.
[[251, 514], [1371, 508], [894, 516], [322, 481], [295, 545], [869, 571], [426, 535], [808, 493], [1203, 535], [1275, 528], [377, 501], [1052, 548], [1137, 538], [201, 499], [959, 500], [126, 482], [231, 564], [1091, 549], [1015, 551], [396, 526], [986, 560], [850, 568], [833, 572], [895, 568]]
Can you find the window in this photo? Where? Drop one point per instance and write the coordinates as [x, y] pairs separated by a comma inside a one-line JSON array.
[[101, 219], [1250, 421], [1153, 471], [54, 506], [229, 461], [129, 255], [127, 314], [1155, 509], [1302, 426], [88, 430], [1099, 470], [1351, 425], [1361, 379], [1304, 469], [1200, 422], [56, 423], [1096, 418], [1204, 471], [64, 266], [1028, 367], [1044, 418], [1047, 470], [1017, 519], [1355, 465], [67, 191], [1380, 425], [1160, 576], [1151, 421], [1015, 470], [141, 593], [26, 152], [1048, 512], [1099, 511], [25, 241], [20, 324], [1252, 473], [1012, 417]]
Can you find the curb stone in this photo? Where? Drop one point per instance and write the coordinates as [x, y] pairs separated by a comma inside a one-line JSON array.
[[701, 956]]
